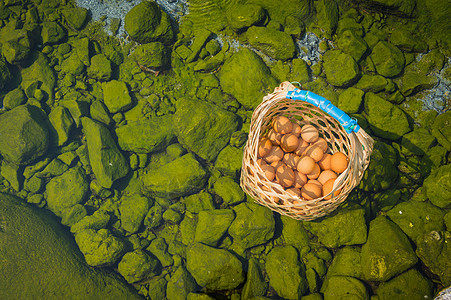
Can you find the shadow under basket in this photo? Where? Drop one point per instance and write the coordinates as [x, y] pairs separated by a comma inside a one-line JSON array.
[[357, 145]]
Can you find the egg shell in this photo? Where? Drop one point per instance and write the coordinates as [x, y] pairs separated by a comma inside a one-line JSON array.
[[277, 164], [274, 137], [309, 133], [328, 187], [310, 191], [289, 142], [269, 171], [324, 163], [302, 145], [264, 147], [326, 175], [322, 144], [296, 130], [314, 181], [315, 173], [315, 152], [294, 192], [285, 176], [306, 164], [275, 154], [282, 125], [299, 179], [338, 162], [291, 160]]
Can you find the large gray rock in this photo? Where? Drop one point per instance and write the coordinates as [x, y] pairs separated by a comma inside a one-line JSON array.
[[34, 247]]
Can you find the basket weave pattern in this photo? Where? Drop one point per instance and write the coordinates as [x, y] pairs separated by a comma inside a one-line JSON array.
[[357, 147]]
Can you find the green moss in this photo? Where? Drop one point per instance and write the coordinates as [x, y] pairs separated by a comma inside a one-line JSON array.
[[340, 68], [138, 265], [274, 43]]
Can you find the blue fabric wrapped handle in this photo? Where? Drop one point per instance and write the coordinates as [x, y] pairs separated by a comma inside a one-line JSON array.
[[348, 123]]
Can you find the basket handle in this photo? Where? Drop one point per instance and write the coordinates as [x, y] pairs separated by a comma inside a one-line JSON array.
[[348, 123]]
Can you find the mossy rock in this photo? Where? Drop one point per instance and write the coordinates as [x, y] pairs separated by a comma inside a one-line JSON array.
[[242, 16], [52, 33], [138, 265], [229, 161], [438, 186], [353, 44], [350, 100], [342, 287], [371, 83], [14, 98], [152, 56], [212, 225], [181, 285], [407, 41], [340, 68], [100, 68], [274, 43], [116, 96], [255, 284], [346, 262], [327, 16], [230, 191], [38, 73], [408, 285], [133, 209], [441, 129], [61, 124], [418, 141], [75, 16], [388, 59]]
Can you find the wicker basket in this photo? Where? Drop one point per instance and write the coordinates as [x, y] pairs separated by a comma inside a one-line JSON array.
[[356, 145]]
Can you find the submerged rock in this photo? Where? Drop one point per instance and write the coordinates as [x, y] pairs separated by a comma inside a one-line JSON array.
[[38, 73], [342, 287], [438, 186], [242, 16], [408, 285], [180, 285], [346, 262], [255, 284], [340, 68], [116, 96], [62, 123], [138, 265], [274, 43], [212, 225], [133, 209], [388, 59]]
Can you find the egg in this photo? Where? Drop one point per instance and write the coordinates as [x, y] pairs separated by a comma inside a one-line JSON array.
[[324, 163], [289, 142], [294, 192], [296, 130], [269, 171], [299, 180], [314, 181], [275, 154], [277, 164], [328, 187], [264, 147], [285, 176], [261, 162], [309, 133], [306, 164], [338, 162], [315, 152], [326, 175], [310, 191], [282, 125], [302, 145], [322, 144], [315, 173], [274, 137], [291, 160]]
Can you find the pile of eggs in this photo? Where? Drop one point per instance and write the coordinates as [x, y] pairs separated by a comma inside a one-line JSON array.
[[299, 160]]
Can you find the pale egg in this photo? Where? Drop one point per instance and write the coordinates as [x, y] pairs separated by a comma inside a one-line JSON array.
[[328, 187], [285, 176], [338, 162], [264, 147], [315, 173], [309, 133], [306, 164], [315, 152], [275, 154], [326, 175], [324, 163], [274, 137], [322, 144], [310, 191], [289, 142], [282, 125], [299, 180]]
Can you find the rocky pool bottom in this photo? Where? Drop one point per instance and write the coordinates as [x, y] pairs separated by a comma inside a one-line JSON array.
[[121, 161]]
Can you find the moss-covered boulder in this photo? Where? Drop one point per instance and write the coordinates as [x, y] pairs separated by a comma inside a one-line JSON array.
[[408, 285], [340, 68], [242, 16], [294, 234], [229, 161], [133, 209], [75, 17], [116, 96], [198, 202], [388, 59], [441, 129], [438, 186], [16, 45], [203, 128], [385, 119], [255, 284], [215, 269], [38, 73], [147, 22], [180, 285], [346, 262], [253, 225], [138, 265], [212, 225], [372, 83], [24, 134], [15, 52], [159, 248], [397, 7], [54, 261], [350, 100], [274, 43], [246, 77], [107, 162], [407, 41], [146, 136], [344, 287], [62, 123], [387, 252], [418, 141], [152, 56], [5, 74], [99, 112], [98, 220], [179, 177], [230, 191], [14, 98], [353, 44], [286, 272], [52, 33], [100, 68], [346, 227], [327, 16], [412, 82]]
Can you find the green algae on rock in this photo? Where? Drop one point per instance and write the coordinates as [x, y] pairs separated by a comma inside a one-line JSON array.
[[346, 262], [107, 162], [408, 285], [54, 261], [274, 43], [215, 269], [327, 16], [151, 56], [100, 68], [242, 16], [438, 186], [350, 100], [351, 43], [180, 285], [198, 202], [388, 59], [418, 141], [24, 133], [62, 123], [116, 96], [230, 191], [340, 68], [14, 98], [133, 209], [229, 161], [212, 225], [342, 287], [255, 284], [138, 265], [38, 73]]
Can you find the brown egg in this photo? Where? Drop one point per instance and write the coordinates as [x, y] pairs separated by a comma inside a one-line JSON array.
[[261, 162], [324, 163], [269, 171], [289, 142], [310, 191], [275, 154], [315, 173], [327, 188], [294, 192], [277, 164], [302, 145], [299, 180], [296, 129], [309, 133], [264, 147], [274, 137], [315, 152], [314, 181], [291, 160], [322, 144], [306, 165], [326, 175], [285, 176], [338, 162], [283, 125]]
